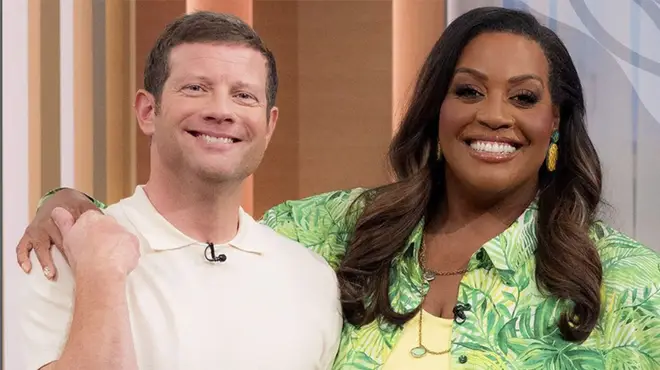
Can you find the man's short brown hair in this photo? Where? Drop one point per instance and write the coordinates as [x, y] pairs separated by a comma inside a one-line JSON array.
[[204, 27]]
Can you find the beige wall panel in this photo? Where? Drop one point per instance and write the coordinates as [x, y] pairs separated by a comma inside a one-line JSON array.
[[277, 177], [240, 8], [120, 121], [83, 96], [345, 93], [44, 98], [417, 25], [34, 103]]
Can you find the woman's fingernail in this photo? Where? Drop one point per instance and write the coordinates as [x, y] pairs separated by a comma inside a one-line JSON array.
[[47, 272], [25, 266]]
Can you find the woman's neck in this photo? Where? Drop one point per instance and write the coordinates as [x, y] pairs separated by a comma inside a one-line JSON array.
[[480, 211]]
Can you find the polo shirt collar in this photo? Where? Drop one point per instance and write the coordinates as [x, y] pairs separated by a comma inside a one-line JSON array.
[[162, 235]]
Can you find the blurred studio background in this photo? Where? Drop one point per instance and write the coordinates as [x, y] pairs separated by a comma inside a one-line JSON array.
[[70, 69]]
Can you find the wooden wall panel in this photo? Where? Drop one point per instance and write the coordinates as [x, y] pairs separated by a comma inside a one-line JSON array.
[[43, 98], [83, 96], [240, 8], [276, 179], [100, 107], [345, 93], [119, 117], [416, 26]]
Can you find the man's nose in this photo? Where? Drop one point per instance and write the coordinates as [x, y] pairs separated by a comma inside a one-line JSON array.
[[219, 108]]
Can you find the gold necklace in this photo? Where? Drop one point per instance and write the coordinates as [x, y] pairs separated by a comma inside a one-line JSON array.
[[428, 274], [421, 350]]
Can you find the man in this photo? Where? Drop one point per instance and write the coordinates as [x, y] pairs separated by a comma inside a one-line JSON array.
[[178, 276]]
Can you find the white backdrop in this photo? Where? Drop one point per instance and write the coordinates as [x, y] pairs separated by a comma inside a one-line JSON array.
[[14, 167]]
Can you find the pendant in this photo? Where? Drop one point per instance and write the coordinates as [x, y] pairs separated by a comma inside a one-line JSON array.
[[429, 275], [418, 352]]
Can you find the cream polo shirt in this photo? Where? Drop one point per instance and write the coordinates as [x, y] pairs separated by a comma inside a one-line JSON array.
[[273, 304]]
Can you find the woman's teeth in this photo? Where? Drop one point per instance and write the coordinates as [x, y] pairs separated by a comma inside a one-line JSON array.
[[492, 147]]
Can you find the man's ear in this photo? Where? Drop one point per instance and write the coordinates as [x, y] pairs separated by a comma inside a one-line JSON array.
[[145, 111], [272, 122]]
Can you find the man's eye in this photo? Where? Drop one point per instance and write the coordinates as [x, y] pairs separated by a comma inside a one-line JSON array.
[[194, 88]]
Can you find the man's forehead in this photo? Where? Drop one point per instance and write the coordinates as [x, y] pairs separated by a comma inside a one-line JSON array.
[[216, 59], [232, 52]]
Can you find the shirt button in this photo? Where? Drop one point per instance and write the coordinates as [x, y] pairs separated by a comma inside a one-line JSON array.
[[462, 359]]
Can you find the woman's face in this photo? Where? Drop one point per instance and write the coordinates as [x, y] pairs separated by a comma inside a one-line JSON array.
[[497, 118]]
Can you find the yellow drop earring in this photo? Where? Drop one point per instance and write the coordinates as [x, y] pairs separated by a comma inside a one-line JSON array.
[[553, 152]]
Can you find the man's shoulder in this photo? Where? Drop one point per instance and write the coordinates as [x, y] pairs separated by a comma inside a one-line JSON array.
[[119, 211], [114, 209], [134, 204], [312, 269]]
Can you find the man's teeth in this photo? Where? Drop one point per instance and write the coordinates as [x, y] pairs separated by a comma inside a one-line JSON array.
[[212, 139], [492, 147]]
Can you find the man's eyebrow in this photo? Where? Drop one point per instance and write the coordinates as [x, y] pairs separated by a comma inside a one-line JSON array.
[[189, 77], [244, 85]]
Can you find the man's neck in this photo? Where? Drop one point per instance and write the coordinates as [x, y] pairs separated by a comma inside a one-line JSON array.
[[207, 213]]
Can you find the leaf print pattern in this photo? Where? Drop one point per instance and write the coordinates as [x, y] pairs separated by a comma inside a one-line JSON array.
[[321, 223], [509, 323]]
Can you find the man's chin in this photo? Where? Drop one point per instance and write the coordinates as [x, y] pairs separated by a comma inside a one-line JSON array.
[[215, 174]]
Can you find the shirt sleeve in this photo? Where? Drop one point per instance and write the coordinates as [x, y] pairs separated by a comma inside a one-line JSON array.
[[332, 319], [332, 338], [323, 223], [630, 321], [46, 313], [49, 194]]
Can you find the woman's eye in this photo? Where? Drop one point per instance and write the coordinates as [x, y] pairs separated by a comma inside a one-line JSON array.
[[526, 98], [468, 92]]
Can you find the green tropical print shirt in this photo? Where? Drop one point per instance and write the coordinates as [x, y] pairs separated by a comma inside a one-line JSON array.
[[509, 323]]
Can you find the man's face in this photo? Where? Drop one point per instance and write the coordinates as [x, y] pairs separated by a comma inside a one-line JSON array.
[[212, 121]]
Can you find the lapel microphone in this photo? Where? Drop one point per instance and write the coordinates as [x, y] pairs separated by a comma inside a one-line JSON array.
[[459, 312], [209, 254]]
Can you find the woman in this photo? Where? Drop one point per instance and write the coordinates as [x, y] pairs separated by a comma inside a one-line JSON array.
[[485, 252]]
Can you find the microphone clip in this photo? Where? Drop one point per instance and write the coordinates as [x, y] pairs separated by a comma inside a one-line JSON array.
[[209, 254]]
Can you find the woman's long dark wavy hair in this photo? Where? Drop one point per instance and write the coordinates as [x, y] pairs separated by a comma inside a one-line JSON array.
[[567, 264]]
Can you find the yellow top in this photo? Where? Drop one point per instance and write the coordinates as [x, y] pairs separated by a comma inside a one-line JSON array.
[[436, 336]]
